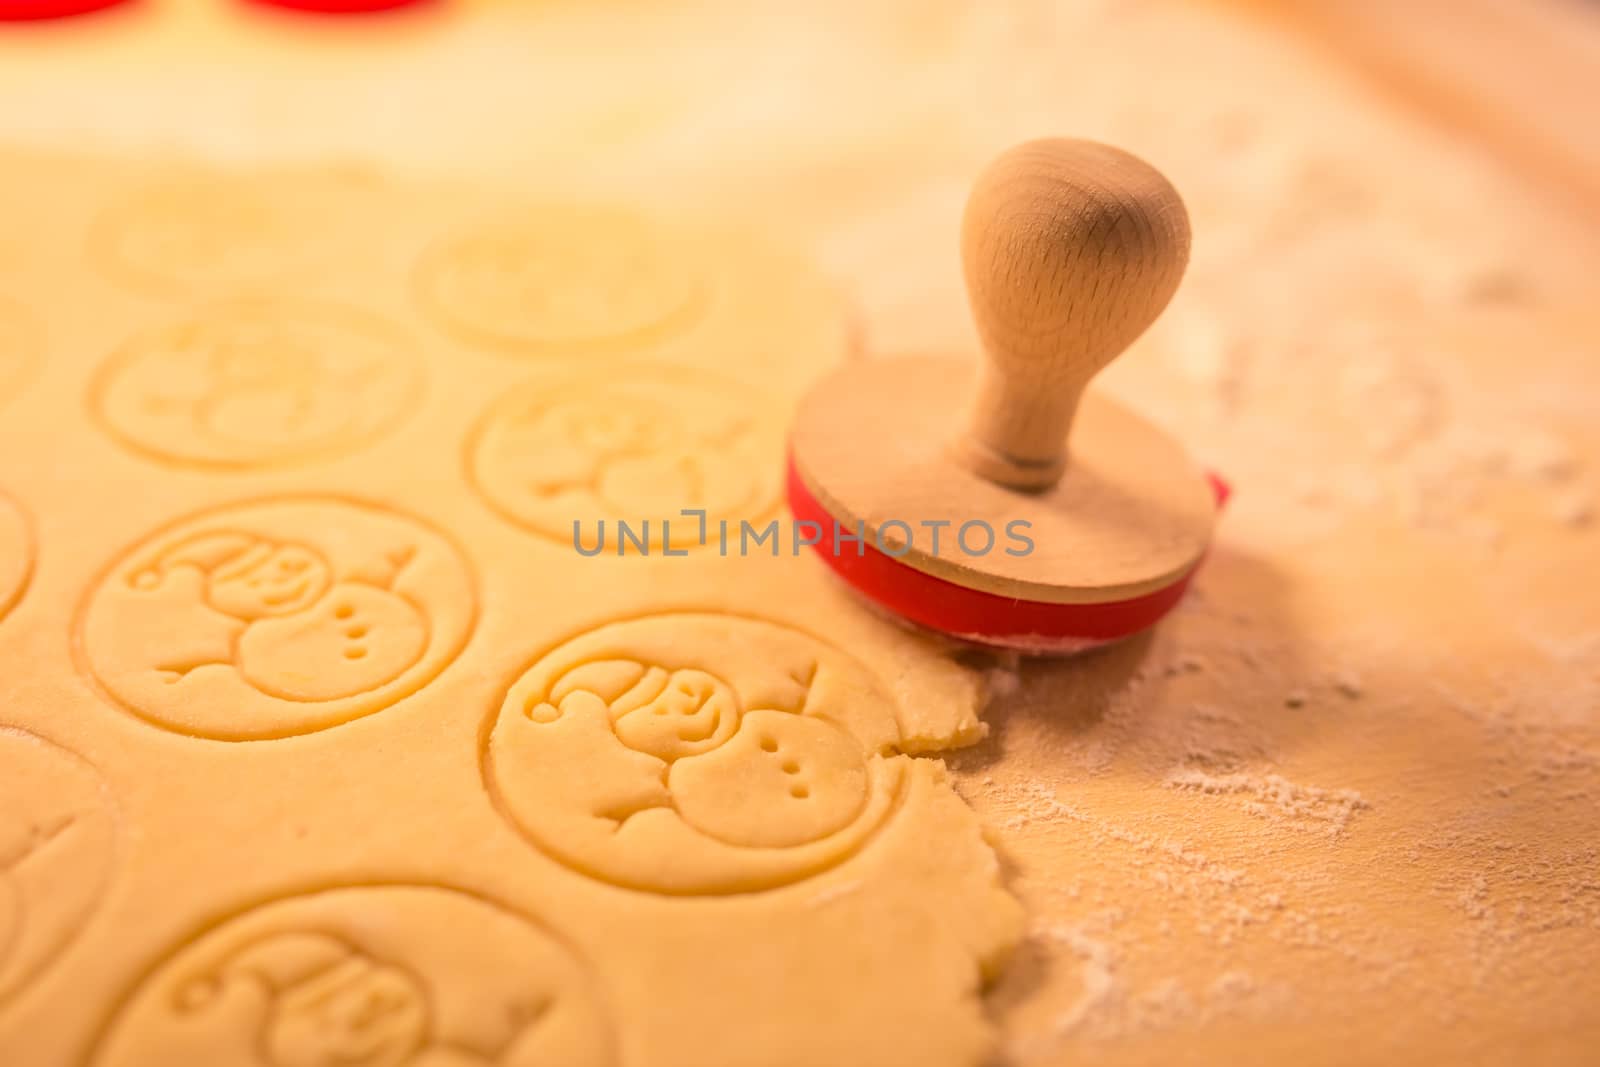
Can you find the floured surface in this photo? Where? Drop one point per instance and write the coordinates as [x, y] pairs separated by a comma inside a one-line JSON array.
[[322, 743], [1345, 806], [1341, 808]]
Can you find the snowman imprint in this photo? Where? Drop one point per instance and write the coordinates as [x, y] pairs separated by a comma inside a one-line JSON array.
[[315, 621], [696, 753], [304, 637], [635, 449], [330, 1003], [366, 976]]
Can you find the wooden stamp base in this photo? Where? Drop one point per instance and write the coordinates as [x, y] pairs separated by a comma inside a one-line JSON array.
[[975, 617], [876, 444]]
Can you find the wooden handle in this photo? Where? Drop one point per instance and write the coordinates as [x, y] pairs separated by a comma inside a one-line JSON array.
[[1071, 249]]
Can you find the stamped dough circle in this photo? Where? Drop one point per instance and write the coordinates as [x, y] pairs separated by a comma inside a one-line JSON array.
[[257, 383], [58, 829], [380, 976], [639, 445], [16, 553], [561, 280], [696, 754], [205, 234], [277, 617], [18, 345]]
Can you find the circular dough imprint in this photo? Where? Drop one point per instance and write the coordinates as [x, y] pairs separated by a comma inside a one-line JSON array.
[[257, 383], [638, 445], [380, 976], [696, 753], [277, 617]]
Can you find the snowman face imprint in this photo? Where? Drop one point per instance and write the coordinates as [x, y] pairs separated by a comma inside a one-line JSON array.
[[571, 278], [695, 753], [321, 981], [268, 579], [607, 431], [257, 383], [636, 448], [599, 428], [672, 714], [58, 831], [277, 617]]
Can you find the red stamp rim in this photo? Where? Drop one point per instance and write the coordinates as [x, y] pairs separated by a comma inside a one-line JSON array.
[[339, 7], [40, 10], [975, 616]]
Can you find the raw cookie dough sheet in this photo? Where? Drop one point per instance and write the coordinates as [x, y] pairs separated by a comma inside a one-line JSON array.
[[1342, 808], [320, 741]]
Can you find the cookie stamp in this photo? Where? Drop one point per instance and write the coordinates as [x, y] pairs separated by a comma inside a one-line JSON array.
[[381, 976], [696, 754], [1070, 250], [58, 829], [277, 617], [637, 446], [257, 383]]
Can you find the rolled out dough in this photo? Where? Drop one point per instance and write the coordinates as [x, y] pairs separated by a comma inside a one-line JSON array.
[[321, 743], [1342, 808]]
